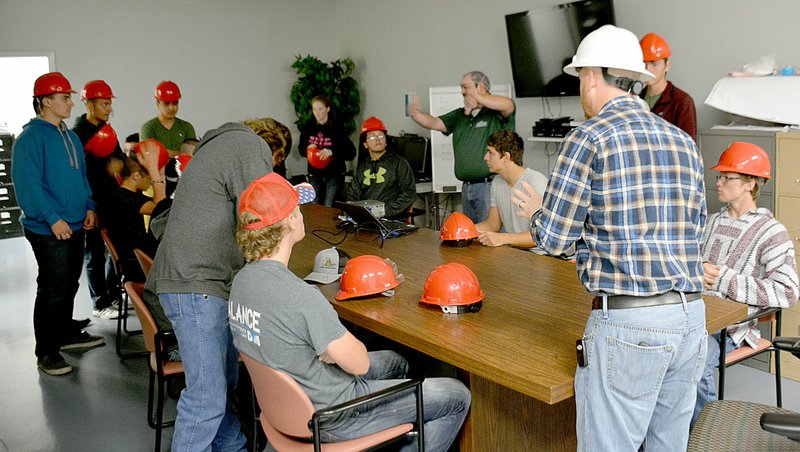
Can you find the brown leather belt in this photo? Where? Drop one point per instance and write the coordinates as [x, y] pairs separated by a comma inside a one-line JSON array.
[[627, 301]]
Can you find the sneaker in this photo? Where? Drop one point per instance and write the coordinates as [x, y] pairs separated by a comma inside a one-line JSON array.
[[54, 365], [109, 313], [80, 324], [82, 340], [117, 304]]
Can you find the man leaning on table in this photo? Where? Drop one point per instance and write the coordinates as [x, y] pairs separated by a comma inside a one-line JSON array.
[[627, 192]]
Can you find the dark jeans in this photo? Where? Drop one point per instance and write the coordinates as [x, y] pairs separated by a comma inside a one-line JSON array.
[[60, 265], [326, 188], [99, 270]]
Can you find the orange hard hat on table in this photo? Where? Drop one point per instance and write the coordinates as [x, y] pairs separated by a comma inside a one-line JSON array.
[[51, 83], [103, 142], [458, 229], [168, 91], [367, 275], [654, 47], [453, 288], [744, 158]]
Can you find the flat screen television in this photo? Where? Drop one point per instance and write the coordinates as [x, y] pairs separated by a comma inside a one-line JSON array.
[[542, 41]]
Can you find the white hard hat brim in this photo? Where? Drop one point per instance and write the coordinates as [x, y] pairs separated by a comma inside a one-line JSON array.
[[573, 68]]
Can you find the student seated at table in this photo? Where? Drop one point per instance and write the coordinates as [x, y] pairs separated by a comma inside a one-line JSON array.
[[381, 175], [298, 332], [129, 205], [503, 226], [747, 255]]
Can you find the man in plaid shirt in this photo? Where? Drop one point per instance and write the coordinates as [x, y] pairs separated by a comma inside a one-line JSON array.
[[627, 196]]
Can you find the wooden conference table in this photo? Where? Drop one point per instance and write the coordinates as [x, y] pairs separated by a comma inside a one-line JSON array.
[[517, 354]]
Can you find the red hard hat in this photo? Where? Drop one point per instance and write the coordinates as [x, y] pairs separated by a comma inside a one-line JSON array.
[[51, 83], [168, 91], [372, 124], [454, 288], [654, 47], [103, 142], [744, 158], [163, 155], [312, 154], [96, 89], [367, 275], [458, 229]]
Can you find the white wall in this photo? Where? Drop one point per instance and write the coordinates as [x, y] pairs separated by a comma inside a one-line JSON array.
[[414, 44], [231, 59]]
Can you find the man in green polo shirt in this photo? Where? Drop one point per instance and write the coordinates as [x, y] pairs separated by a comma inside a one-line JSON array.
[[167, 128], [483, 114]]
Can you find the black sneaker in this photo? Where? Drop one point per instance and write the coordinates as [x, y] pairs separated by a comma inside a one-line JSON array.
[[79, 325], [54, 365], [82, 340]]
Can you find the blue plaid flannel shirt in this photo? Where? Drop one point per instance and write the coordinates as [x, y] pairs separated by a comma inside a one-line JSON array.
[[627, 193]]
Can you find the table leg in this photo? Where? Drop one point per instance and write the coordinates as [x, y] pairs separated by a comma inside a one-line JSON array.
[[503, 419]]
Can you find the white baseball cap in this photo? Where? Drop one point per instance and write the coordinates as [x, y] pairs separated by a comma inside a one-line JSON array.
[[328, 266]]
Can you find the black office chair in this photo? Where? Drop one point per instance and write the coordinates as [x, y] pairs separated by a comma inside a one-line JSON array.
[[727, 425]]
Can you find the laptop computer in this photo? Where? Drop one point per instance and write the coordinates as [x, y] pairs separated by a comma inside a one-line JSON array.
[[363, 217]]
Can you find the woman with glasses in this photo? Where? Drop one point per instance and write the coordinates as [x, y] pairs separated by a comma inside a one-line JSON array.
[[747, 255], [381, 175], [324, 142]]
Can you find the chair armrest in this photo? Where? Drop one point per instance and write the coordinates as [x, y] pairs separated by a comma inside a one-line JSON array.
[[758, 314], [787, 344], [162, 353], [382, 394], [787, 425]]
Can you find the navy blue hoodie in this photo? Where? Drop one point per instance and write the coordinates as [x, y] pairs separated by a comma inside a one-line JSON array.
[[49, 174]]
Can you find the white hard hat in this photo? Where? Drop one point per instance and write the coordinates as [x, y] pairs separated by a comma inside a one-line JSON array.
[[610, 47]]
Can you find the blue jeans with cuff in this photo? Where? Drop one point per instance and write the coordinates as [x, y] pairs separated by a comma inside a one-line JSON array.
[[206, 420], [445, 404], [641, 379]]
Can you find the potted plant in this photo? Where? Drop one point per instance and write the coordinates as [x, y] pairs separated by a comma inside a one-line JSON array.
[[331, 79]]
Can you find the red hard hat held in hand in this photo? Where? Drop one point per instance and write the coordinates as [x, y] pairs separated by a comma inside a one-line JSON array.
[[453, 288], [314, 159], [168, 91], [458, 230], [51, 83], [744, 158], [367, 275], [103, 142], [163, 155]]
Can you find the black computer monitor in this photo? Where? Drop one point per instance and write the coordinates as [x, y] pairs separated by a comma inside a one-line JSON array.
[[415, 149]]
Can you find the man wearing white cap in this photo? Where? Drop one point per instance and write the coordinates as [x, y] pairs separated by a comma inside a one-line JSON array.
[[627, 191], [279, 320]]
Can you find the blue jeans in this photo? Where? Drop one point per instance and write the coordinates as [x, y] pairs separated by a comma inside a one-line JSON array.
[[707, 388], [445, 405], [206, 420], [641, 378], [60, 264], [326, 188], [99, 270], [475, 197]]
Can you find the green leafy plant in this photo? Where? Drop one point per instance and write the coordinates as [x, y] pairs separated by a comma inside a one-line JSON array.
[[331, 79]]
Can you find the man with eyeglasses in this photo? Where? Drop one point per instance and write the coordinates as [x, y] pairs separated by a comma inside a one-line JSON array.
[[383, 176], [748, 255], [482, 115]]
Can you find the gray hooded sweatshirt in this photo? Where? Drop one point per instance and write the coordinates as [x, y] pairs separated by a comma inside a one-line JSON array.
[[198, 251]]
